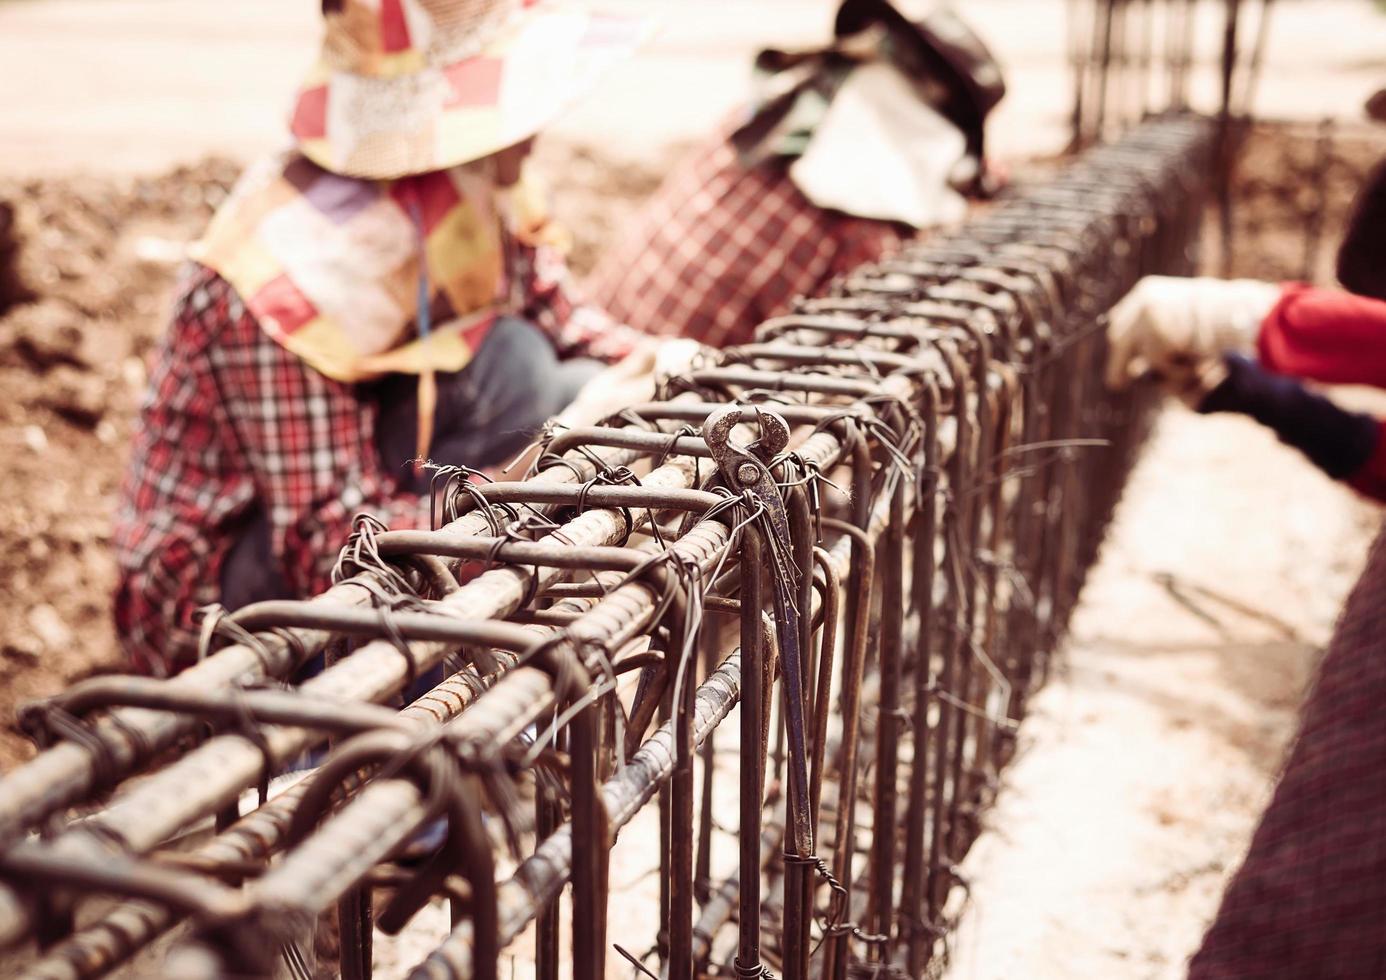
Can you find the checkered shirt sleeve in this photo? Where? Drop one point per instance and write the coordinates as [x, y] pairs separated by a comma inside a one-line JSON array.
[[720, 248], [232, 421], [554, 303]]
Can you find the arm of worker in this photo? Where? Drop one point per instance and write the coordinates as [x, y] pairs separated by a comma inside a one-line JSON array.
[[1325, 335], [1169, 326], [638, 362], [577, 328], [1166, 325], [310, 442], [1348, 446]]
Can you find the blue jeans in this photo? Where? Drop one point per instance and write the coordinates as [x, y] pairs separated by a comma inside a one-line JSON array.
[[487, 413]]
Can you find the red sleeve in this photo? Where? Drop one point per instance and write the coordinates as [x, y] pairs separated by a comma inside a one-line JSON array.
[[1325, 335], [310, 444]]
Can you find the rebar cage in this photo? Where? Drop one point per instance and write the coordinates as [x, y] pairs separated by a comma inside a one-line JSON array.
[[858, 538]]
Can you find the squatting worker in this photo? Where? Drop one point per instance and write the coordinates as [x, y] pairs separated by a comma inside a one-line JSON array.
[[1308, 900], [847, 151], [387, 289]]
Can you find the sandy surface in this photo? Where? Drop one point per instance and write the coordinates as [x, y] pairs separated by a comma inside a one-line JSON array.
[[1147, 758]]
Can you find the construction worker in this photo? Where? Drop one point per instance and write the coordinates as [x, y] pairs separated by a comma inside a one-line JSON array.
[[387, 289], [1246, 346], [1307, 900], [849, 149]]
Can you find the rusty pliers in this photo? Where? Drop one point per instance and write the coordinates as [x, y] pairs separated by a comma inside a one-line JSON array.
[[744, 470]]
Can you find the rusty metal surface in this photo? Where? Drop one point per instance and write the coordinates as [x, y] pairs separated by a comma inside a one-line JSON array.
[[863, 535]]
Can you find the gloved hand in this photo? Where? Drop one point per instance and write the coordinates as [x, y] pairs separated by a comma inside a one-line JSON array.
[[631, 380], [676, 357], [1177, 329]]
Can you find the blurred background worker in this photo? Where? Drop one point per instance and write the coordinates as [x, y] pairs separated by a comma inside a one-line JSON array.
[[1198, 337], [1308, 899], [847, 151], [388, 289]]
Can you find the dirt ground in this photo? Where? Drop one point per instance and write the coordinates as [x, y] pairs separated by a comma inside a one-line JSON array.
[[1146, 760], [1295, 187], [96, 255]]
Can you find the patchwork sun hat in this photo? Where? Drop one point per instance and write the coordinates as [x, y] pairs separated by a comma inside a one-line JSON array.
[[407, 87]]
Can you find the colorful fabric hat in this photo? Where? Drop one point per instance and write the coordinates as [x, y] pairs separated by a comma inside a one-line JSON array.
[[407, 87]]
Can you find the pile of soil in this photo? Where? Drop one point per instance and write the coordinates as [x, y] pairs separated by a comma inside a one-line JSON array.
[[86, 274], [95, 259]]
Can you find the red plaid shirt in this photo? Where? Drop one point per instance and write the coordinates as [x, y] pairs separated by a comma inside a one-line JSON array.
[[231, 422], [721, 248], [1309, 899]]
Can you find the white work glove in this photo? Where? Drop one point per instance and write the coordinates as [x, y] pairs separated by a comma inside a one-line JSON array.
[[1177, 329], [675, 358], [631, 380]]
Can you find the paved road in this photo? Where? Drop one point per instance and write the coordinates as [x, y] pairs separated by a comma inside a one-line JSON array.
[[138, 85]]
